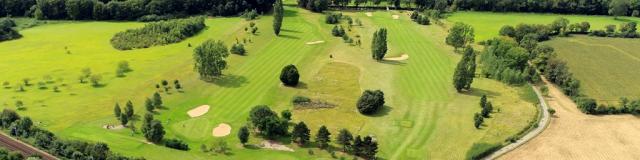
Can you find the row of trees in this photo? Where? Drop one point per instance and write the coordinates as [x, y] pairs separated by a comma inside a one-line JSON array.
[[6, 30], [601, 7], [128, 9], [314, 5], [626, 30], [158, 33], [68, 149], [487, 108]]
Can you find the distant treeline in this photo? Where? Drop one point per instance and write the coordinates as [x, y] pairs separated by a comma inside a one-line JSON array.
[[127, 9], [158, 33]]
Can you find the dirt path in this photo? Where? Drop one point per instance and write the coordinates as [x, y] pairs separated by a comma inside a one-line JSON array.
[[575, 135], [13, 144], [542, 124]]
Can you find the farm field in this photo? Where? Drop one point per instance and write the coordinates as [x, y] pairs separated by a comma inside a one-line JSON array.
[[606, 67], [424, 117], [487, 24]]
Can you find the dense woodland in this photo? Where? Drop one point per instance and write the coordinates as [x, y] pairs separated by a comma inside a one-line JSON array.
[[158, 33]]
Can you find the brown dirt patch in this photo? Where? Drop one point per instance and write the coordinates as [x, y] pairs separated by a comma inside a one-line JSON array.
[[198, 111], [575, 135], [222, 130]]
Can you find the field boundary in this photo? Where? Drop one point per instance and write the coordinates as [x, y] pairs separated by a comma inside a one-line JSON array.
[[543, 122], [605, 45]]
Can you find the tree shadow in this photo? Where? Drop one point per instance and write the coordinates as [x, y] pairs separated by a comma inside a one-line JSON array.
[[290, 13], [288, 36], [622, 19], [393, 62], [288, 30], [101, 85], [382, 112], [229, 81], [480, 92], [301, 85]]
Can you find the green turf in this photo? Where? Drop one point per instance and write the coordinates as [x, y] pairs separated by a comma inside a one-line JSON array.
[[606, 67], [424, 116], [488, 24]]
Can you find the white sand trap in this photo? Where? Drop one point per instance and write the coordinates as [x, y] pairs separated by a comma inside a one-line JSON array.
[[369, 14], [198, 111], [395, 16], [222, 130], [112, 127], [275, 146], [315, 42], [401, 58]]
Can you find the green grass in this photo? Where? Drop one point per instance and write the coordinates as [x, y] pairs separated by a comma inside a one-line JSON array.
[[488, 24], [424, 116], [606, 67]]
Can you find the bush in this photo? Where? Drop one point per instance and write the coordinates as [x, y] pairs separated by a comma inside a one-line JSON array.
[[176, 144], [338, 31], [423, 20], [289, 75], [6, 30], [158, 33], [333, 18], [300, 100], [551, 111], [370, 102], [587, 105], [238, 49], [250, 15]]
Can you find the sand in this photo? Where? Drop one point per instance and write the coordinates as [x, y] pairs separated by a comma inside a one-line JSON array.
[[314, 42], [198, 111], [369, 14], [401, 58], [395, 16], [274, 146], [222, 130], [575, 135], [113, 127]]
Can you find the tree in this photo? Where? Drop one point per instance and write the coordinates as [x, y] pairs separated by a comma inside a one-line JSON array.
[[238, 49], [123, 120], [209, 58], [300, 134], [267, 121], [95, 80], [379, 44], [177, 85], [243, 135], [278, 16], [322, 137], [157, 100], [478, 119], [370, 102], [128, 110], [486, 110], [155, 132], [344, 138], [286, 114], [465, 70], [460, 35], [116, 110], [483, 101], [560, 25], [148, 104], [618, 8], [289, 75], [508, 31]]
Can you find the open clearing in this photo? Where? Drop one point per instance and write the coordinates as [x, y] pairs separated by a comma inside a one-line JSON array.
[[424, 116], [575, 135], [608, 68]]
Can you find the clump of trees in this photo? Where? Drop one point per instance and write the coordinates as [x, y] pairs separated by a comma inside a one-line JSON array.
[[503, 59], [370, 102], [419, 18], [209, 59], [333, 18], [379, 44], [314, 5], [460, 35], [158, 33], [6, 30], [123, 67], [289, 75], [626, 30], [238, 48], [465, 70], [278, 16], [152, 129], [267, 122]]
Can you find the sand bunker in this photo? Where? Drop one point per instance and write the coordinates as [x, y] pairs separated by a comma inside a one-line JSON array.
[[113, 127], [395, 16], [315, 42], [222, 130], [369, 14], [198, 111], [275, 146], [401, 58]]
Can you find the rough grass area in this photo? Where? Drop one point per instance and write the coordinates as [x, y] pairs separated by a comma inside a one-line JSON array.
[[488, 24], [608, 68]]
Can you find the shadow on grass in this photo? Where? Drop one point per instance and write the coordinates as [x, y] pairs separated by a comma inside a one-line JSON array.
[[290, 13], [382, 112], [229, 81], [301, 85], [479, 92], [393, 62], [288, 30], [288, 36]]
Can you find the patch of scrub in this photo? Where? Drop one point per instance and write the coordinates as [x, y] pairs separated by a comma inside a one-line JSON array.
[[222, 130], [198, 111], [274, 146]]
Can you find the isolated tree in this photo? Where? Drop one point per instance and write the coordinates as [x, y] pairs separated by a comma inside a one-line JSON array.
[[95, 80], [128, 109], [323, 137], [300, 134], [124, 120], [286, 114], [116, 110], [618, 8], [209, 58], [478, 119], [155, 133], [243, 135], [289, 75], [157, 100], [379, 44], [465, 71], [278, 16], [370, 102], [177, 85], [148, 104], [460, 35], [344, 138]]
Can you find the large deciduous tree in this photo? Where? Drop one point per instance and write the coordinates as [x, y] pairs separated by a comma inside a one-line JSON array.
[[460, 35], [268, 122], [210, 58], [370, 102], [289, 75]]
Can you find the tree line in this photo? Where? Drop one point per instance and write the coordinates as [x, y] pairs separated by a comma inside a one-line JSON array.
[[127, 9], [23, 127], [158, 33]]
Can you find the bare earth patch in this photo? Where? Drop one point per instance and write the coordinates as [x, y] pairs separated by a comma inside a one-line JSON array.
[[222, 130], [314, 42], [401, 58], [198, 111], [395, 16], [575, 135], [113, 127], [274, 146], [369, 14]]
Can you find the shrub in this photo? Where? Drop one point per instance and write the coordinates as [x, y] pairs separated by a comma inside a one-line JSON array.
[[370, 102], [299, 100], [481, 150], [250, 15], [6, 30], [337, 31], [176, 144], [598, 33], [238, 49], [158, 33], [587, 105], [333, 18], [551, 111], [423, 20]]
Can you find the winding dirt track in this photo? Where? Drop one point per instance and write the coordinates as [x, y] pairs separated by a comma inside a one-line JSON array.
[[16, 145], [575, 135]]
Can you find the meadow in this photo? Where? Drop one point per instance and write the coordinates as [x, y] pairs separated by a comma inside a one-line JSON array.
[[606, 67], [424, 117]]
